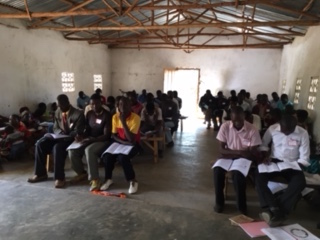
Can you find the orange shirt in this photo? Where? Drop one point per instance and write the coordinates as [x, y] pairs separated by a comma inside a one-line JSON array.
[[133, 123]]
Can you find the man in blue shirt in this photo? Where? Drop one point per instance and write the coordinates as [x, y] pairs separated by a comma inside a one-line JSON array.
[[83, 100]]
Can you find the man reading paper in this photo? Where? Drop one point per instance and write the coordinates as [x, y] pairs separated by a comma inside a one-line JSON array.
[[290, 145], [238, 139]]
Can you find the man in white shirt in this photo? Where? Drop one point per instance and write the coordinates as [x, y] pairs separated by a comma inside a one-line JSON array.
[[290, 143]]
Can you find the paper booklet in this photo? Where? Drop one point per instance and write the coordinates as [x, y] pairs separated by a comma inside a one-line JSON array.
[[242, 165], [118, 148], [236, 220], [56, 136], [277, 187], [290, 232], [254, 229], [278, 167], [75, 145]]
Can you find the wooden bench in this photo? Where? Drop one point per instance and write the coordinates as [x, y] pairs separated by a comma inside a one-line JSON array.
[[154, 146], [49, 163]]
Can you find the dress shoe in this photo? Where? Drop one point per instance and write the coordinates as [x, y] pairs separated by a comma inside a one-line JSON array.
[[37, 178], [59, 183]]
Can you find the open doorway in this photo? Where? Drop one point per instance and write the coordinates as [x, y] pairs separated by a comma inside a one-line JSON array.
[[186, 81]]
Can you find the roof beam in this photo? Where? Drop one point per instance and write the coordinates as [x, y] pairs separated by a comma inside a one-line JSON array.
[[174, 26]]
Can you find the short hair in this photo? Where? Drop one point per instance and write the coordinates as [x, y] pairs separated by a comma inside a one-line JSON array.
[[80, 93], [159, 92], [248, 94], [302, 115], [62, 98], [284, 96], [237, 110], [98, 90], [95, 96], [150, 106], [111, 99]]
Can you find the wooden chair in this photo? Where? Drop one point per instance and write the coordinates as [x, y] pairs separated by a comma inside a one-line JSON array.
[[49, 164], [154, 145]]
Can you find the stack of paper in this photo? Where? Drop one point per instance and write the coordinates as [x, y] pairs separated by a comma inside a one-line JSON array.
[[236, 220]]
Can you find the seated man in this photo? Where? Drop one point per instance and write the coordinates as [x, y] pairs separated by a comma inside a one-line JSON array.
[[238, 139], [136, 106], [83, 100], [290, 143], [125, 130], [151, 123], [68, 121], [94, 140], [170, 117]]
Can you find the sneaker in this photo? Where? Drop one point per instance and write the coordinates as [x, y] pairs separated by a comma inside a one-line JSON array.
[[106, 185], [133, 187], [95, 185], [79, 178]]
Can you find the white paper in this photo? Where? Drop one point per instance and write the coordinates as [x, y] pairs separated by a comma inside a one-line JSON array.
[[276, 186], [56, 136], [223, 163], [299, 232], [74, 145], [117, 148], [306, 191], [289, 165], [277, 234], [267, 168], [242, 165], [45, 124]]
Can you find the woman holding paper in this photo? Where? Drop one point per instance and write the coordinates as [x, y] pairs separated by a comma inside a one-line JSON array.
[[125, 132]]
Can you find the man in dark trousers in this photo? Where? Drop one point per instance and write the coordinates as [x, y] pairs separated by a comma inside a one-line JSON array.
[[68, 121], [290, 144]]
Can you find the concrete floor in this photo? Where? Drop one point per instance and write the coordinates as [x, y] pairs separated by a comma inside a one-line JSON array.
[[175, 200]]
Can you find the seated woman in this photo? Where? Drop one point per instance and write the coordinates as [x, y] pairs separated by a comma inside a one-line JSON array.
[[151, 123]]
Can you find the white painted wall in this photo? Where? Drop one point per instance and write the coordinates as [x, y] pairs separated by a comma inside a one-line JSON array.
[[31, 63], [256, 70], [301, 60]]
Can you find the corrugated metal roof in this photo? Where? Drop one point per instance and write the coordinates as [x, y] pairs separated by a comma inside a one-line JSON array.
[[284, 10]]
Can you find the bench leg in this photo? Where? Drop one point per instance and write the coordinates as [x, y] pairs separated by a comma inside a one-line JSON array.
[[155, 151]]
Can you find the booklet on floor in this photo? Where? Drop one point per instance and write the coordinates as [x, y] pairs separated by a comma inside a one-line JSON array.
[[118, 148], [254, 229], [278, 167], [289, 232], [236, 220], [242, 165]]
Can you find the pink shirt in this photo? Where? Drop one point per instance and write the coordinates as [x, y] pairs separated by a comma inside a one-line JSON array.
[[246, 137]]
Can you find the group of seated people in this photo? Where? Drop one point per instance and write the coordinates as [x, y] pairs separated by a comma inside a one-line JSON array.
[[285, 140], [260, 112], [96, 124]]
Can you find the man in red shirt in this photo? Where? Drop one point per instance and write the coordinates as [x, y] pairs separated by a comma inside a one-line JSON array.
[[125, 130]]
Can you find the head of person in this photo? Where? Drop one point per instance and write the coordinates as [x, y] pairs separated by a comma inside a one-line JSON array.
[[288, 124], [258, 99], [243, 92], [248, 116], [233, 102], [42, 107], [275, 96], [24, 111], [264, 99], [111, 101], [81, 94], [233, 93], [159, 94], [53, 106], [240, 98], [144, 92], [275, 115], [132, 96], [95, 101], [98, 91], [63, 102], [237, 117], [284, 98], [208, 93], [14, 120], [289, 110], [302, 115], [164, 97], [175, 94], [248, 95], [170, 94], [220, 94], [149, 97], [150, 108], [124, 106]]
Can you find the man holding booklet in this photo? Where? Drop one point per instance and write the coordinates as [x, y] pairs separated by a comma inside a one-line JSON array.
[[68, 122], [289, 151], [125, 132], [92, 143], [239, 142]]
